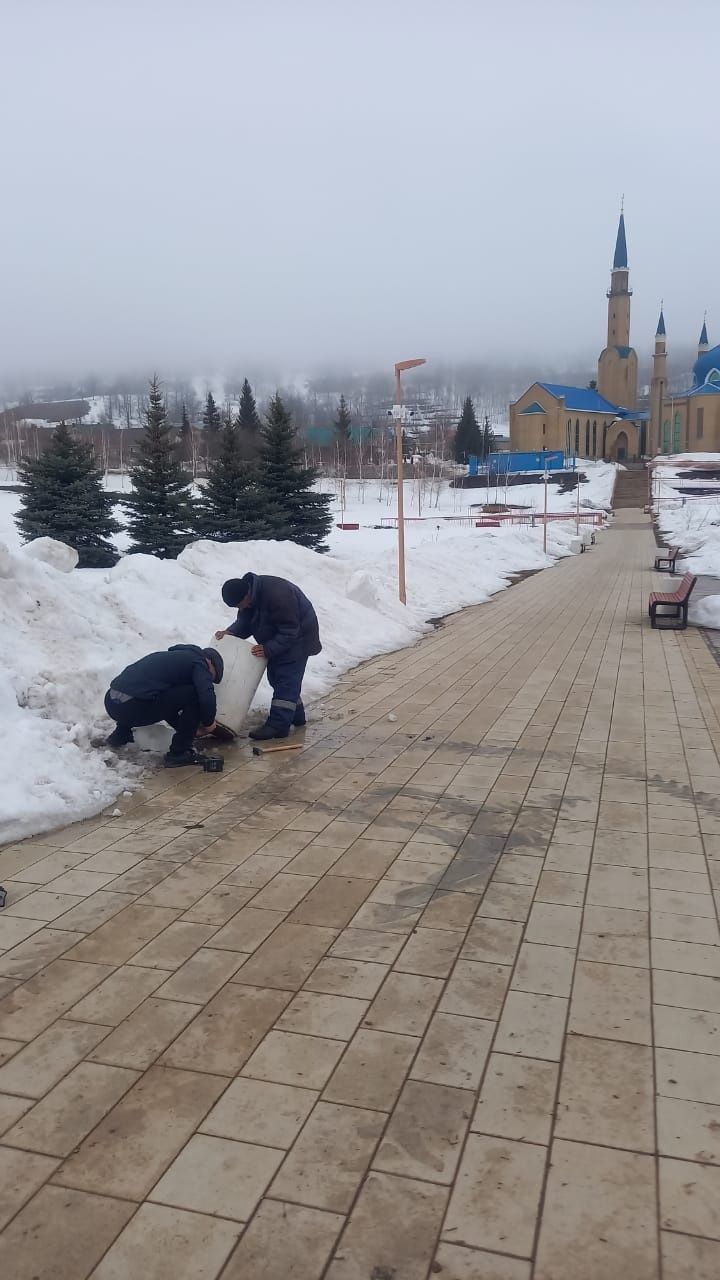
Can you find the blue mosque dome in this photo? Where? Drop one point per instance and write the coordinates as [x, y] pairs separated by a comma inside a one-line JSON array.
[[707, 368]]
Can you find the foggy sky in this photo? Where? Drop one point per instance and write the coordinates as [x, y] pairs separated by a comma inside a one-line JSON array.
[[188, 185]]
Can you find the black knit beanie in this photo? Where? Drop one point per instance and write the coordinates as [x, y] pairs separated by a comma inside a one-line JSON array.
[[216, 659], [236, 589]]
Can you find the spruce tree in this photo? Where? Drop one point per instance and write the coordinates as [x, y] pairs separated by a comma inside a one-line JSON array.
[[185, 428], [294, 511], [161, 506], [62, 497], [468, 438], [248, 417], [488, 438], [232, 508], [342, 423], [211, 414]]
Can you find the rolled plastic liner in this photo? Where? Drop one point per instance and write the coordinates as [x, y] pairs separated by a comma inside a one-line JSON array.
[[239, 684]]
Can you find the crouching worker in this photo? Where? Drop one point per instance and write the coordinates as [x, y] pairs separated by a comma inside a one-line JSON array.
[[285, 627], [175, 685]]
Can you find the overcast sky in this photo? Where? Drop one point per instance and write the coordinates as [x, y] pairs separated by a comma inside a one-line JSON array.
[[189, 184]]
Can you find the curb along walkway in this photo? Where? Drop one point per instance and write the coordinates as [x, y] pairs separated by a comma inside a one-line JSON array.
[[437, 996]]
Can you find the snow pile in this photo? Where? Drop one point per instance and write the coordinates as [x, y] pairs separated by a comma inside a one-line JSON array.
[[691, 523], [64, 635]]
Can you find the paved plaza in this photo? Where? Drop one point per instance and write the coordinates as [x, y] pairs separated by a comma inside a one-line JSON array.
[[438, 996]]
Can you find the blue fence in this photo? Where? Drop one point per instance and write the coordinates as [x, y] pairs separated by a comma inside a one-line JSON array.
[[507, 463]]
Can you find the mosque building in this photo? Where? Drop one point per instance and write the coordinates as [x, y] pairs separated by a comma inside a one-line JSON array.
[[606, 418]]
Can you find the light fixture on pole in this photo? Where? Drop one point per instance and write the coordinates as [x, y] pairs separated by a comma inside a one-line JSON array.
[[400, 367], [545, 479]]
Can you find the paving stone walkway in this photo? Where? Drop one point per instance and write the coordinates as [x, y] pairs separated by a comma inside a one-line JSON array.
[[438, 996]]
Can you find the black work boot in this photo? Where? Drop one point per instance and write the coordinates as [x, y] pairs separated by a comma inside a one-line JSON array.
[[120, 737], [178, 759], [268, 731]]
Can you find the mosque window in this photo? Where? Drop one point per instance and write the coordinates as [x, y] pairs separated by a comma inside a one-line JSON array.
[[700, 423], [577, 435], [594, 452], [587, 438]]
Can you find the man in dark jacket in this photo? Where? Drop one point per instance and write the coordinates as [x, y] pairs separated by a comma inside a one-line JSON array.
[[285, 627], [176, 685]]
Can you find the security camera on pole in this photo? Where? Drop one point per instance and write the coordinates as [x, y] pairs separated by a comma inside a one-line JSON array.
[[397, 414]]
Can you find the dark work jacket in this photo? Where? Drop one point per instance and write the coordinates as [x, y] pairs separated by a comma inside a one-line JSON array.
[[183, 664], [280, 618]]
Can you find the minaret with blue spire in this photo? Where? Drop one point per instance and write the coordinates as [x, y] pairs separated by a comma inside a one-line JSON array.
[[617, 366], [658, 384], [703, 344]]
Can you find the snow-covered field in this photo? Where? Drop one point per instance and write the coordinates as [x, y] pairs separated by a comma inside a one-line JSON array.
[[64, 635], [692, 523]]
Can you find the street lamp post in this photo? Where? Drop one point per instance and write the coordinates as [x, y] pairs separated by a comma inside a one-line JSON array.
[[545, 513], [400, 367]]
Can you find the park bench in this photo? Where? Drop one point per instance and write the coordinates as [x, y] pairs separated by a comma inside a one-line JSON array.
[[665, 562], [676, 601]]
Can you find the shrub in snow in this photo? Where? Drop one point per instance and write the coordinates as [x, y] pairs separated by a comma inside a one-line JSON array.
[[63, 499]]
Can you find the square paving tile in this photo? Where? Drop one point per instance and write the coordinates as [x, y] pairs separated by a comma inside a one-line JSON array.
[[425, 1134], [404, 1003], [532, 1025], [22, 1173], [218, 1176], [687, 1075], [61, 1234], [687, 1258], [689, 1197], [689, 1130], [612, 1001], [459, 1263], [454, 1051], [372, 1070], [476, 989], [517, 1098], [606, 1094], [600, 1207], [288, 1058], [166, 1243], [506, 1179], [393, 1227], [329, 1159], [258, 1111], [284, 1240]]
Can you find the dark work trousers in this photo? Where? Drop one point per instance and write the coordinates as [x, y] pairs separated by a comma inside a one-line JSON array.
[[178, 706], [285, 675]]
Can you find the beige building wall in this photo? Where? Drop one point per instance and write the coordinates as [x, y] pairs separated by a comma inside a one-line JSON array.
[[536, 430], [618, 377], [690, 423], [622, 442], [556, 427]]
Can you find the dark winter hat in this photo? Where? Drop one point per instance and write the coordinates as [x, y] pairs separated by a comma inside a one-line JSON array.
[[236, 589], [216, 659]]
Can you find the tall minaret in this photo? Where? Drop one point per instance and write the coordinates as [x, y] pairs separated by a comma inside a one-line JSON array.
[[703, 344], [617, 366], [657, 385]]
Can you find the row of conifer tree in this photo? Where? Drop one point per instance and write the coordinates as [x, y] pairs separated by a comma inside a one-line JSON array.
[[257, 487]]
